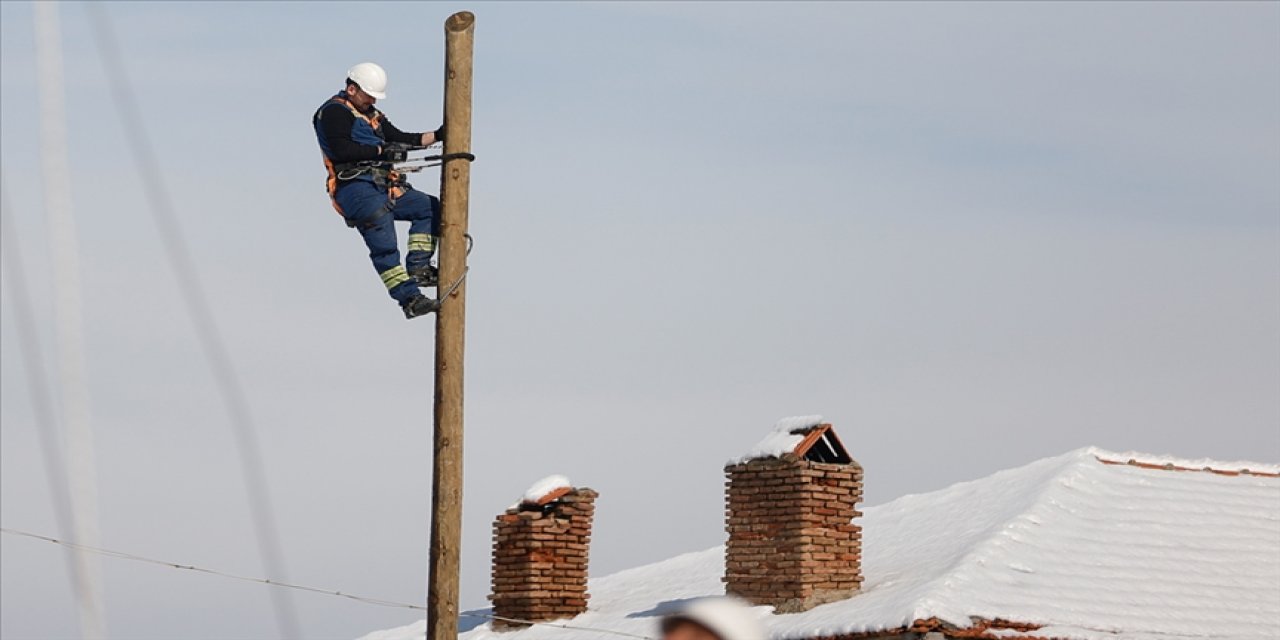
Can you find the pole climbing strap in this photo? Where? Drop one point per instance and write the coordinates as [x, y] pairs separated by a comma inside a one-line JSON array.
[[434, 161]]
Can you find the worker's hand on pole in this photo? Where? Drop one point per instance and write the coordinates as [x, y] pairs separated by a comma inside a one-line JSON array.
[[431, 137]]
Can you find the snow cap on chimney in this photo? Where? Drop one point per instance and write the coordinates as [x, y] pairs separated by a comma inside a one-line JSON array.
[[808, 437], [546, 491]]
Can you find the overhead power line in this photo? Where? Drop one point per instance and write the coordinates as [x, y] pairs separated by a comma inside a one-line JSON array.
[[202, 316], [224, 574], [328, 592]]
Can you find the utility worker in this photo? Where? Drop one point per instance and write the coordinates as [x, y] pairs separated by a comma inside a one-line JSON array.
[[360, 147]]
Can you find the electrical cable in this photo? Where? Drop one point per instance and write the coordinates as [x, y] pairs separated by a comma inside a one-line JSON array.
[[328, 592]]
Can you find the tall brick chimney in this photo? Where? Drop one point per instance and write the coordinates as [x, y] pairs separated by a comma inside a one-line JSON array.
[[540, 554], [790, 506]]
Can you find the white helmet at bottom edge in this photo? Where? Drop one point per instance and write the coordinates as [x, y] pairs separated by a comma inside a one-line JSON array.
[[728, 618]]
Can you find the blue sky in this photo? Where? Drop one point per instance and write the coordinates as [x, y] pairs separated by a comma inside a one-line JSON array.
[[969, 234]]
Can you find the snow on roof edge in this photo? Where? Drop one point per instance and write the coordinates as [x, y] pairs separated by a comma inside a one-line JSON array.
[[1190, 464]]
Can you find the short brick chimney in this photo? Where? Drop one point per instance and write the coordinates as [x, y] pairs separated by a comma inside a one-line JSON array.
[[790, 506], [540, 554]]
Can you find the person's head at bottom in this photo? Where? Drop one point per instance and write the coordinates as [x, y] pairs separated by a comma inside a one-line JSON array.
[[713, 619]]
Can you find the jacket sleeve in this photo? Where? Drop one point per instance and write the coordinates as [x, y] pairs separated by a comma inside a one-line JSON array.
[[335, 124], [392, 134]]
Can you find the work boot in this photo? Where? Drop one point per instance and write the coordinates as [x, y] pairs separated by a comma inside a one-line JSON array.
[[427, 276], [418, 305]]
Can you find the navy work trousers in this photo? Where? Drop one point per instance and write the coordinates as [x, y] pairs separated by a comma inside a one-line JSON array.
[[368, 208]]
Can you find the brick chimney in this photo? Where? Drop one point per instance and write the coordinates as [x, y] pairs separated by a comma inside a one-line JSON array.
[[540, 554], [790, 507]]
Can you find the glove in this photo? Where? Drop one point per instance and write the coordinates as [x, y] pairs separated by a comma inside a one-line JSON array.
[[394, 154], [439, 134]]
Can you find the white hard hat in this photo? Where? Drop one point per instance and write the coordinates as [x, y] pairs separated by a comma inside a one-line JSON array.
[[728, 618], [371, 78]]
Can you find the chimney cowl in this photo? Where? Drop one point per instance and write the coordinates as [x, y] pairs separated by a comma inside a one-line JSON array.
[[807, 437]]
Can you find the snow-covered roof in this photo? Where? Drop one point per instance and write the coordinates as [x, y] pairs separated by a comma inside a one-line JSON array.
[[1087, 545]]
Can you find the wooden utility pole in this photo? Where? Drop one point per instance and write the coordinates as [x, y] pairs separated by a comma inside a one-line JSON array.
[[455, 184]]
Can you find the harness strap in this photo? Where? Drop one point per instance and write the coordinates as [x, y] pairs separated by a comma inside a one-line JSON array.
[[351, 170]]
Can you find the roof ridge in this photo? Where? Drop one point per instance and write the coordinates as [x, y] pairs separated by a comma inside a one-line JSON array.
[[1175, 463], [977, 552]]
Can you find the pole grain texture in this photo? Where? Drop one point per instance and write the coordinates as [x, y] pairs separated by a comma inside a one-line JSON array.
[[455, 184]]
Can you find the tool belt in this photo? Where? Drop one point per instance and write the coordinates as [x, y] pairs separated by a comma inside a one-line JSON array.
[[380, 172]]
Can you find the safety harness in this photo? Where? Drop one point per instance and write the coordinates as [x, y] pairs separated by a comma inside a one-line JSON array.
[[384, 175], [381, 174]]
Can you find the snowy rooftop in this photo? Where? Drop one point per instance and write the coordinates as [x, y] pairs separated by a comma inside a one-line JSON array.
[[1087, 545]]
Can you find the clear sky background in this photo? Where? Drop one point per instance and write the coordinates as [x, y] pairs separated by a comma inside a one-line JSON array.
[[971, 235]]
